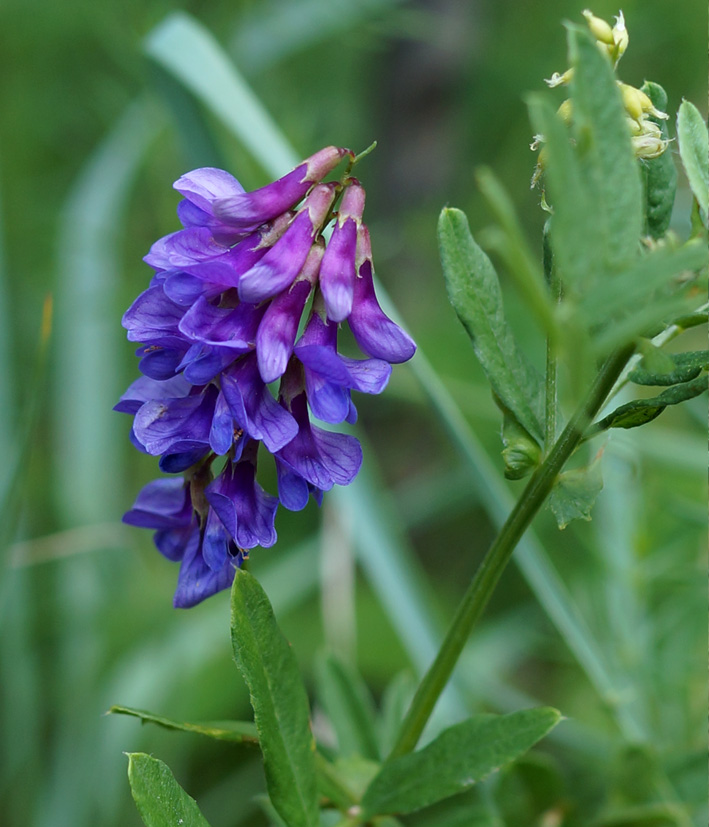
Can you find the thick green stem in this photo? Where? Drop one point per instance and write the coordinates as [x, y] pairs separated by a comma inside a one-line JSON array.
[[499, 554]]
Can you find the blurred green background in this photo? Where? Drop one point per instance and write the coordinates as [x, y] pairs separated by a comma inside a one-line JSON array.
[[92, 135]]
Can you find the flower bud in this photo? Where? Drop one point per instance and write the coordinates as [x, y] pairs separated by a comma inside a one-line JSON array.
[[620, 38], [632, 100], [565, 111], [521, 454], [599, 28]]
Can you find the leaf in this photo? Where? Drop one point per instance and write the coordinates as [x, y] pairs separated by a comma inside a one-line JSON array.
[[604, 149], [575, 492], [349, 707], [395, 701], [659, 174], [687, 366], [189, 51], [694, 152], [160, 800], [238, 732], [461, 756], [640, 411], [509, 242], [474, 291], [279, 701], [650, 815], [576, 228]]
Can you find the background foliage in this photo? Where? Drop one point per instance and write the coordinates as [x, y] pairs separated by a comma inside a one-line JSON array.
[[88, 150]]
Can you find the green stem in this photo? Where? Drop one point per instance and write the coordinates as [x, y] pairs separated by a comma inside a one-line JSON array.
[[550, 395], [499, 554]]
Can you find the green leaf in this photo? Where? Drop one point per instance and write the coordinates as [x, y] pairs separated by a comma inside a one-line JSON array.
[[395, 701], [238, 732], [659, 174], [461, 756], [575, 492], [645, 295], [576, 228], [160, 800], [604, 149], [474, 291], [188, 50], [279, 701], [640, 411], [650, 815], [509, 242], [685, 366], [349, 707], [694, 152]]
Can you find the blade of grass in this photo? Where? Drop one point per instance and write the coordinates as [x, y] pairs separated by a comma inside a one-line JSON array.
[[87, 455], [188, 50]]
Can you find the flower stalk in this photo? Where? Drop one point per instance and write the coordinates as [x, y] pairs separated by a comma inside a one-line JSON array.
[[483, 584]]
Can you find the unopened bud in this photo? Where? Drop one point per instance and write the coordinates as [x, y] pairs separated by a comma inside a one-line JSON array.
[[599, 28], [565, 111], [620, 37], [631, 100], [648, 106]]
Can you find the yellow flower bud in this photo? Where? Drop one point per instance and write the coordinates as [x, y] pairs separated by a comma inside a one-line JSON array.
[[648, 106], [599, 28], [559, 80], [565, 111], [631, 100], [620, 37]]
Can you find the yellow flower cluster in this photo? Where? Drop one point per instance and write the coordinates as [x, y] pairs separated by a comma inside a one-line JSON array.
[[646, 135]]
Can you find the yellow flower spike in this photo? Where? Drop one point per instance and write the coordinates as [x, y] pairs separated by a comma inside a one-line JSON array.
[[599, 28], [565, 111]]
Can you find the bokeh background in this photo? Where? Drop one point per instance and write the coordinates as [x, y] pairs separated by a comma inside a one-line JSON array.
[[92, 135]]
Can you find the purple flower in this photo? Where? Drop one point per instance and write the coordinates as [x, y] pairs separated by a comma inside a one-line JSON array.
[[337, 272], [166, 505], [329, 377], [250, 209], [217, 325], [374, 331], [278, 268], [279, 326]]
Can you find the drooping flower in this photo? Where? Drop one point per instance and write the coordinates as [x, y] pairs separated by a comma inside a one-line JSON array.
[[217, 325]]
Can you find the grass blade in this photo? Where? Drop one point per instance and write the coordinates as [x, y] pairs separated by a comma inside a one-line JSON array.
[[188, 50]]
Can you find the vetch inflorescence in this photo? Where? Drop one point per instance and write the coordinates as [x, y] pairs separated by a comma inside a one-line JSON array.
[[217, 325]]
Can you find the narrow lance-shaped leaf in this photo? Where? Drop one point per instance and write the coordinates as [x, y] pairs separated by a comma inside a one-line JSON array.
[[604, 149], [694, 152], [640, 411], [659, 174], [577, 228], [160, 800], [238, 732], [461, 756], [683, 368], [279, 700], [474, 291], [349, 707]]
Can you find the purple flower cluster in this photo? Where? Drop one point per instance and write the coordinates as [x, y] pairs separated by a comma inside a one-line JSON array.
[[217, 325]]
